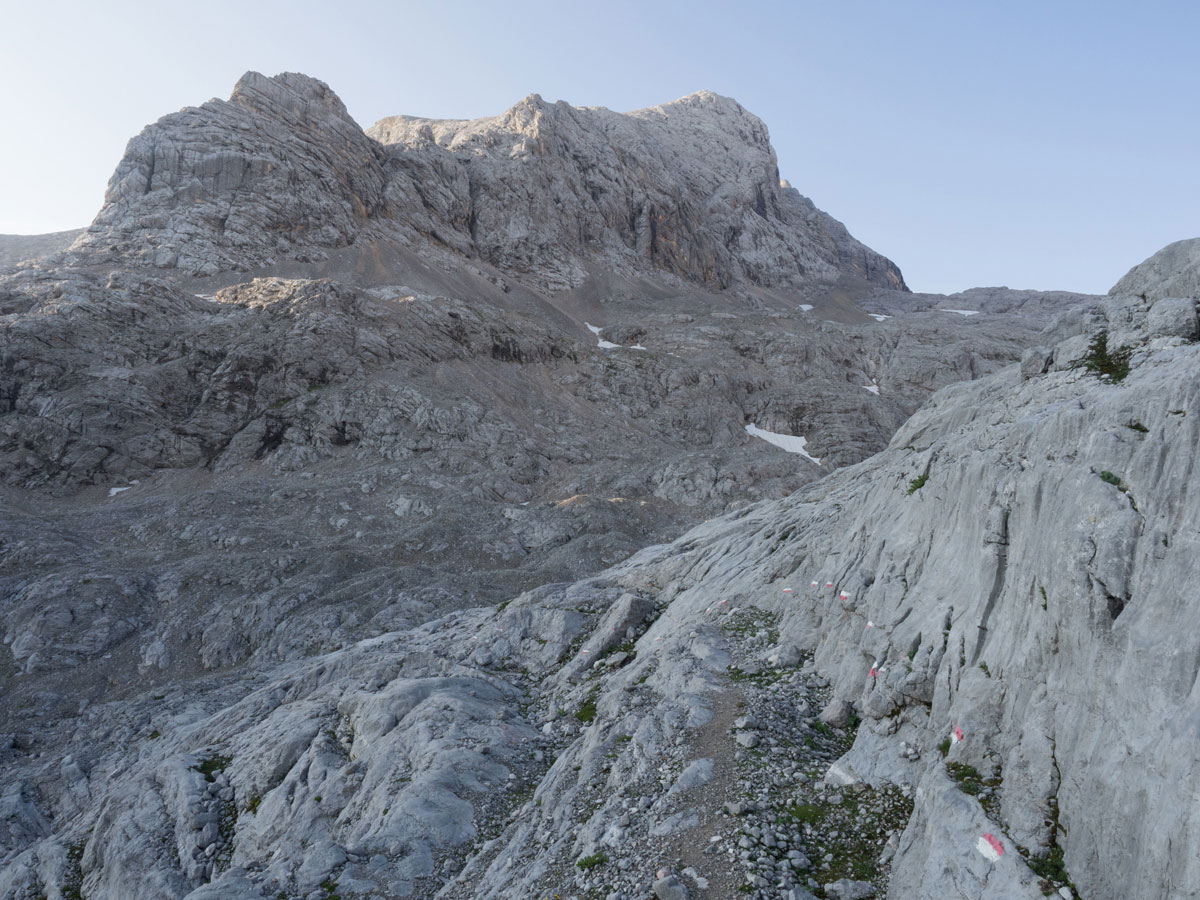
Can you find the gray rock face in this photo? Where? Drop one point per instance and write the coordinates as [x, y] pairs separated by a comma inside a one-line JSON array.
[[846, 889], [1013, 573], [546, 192], [1173, 271], [691, 187], [278, 170], [837, 713], [1173, 317], [671, 888], [250, 452]]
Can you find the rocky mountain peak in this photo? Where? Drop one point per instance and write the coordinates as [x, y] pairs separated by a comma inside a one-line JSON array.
[[288, 95], [278, 169], [713, 112], [545, 192]]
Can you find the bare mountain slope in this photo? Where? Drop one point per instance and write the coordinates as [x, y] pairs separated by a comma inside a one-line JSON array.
[[993, 613]]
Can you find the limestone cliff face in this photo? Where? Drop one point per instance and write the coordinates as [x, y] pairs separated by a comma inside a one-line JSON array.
[[279, 170], [691, 187], [547, 192]]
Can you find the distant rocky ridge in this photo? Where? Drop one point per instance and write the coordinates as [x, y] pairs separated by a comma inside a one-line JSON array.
[[545, 191], [15, 248]]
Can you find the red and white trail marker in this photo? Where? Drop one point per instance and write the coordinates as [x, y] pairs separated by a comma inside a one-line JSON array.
[[874, 672], [829, 584], [843, 595], [990, 846], [957, 735], [870, 624], [787, 590], [815, 584]]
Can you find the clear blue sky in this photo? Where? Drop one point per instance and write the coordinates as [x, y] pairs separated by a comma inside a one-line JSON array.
[[1034, 144]]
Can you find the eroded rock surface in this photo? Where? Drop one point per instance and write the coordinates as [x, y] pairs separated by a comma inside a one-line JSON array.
[[255, 521], [547, 192]]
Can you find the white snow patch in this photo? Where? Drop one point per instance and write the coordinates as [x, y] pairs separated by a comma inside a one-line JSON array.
[[963, 312], [112, 492], [788, 442], [805, 307], [873, 388], [878, 317], [609, 345]]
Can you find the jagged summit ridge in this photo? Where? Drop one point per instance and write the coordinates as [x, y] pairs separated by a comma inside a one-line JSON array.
[[280, 167], [547, 192], [690, 186]]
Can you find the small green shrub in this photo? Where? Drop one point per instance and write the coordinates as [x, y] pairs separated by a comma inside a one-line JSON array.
[[968, 777], [211, 766], [1108, 365], [944, 746], [596, 859], [1115, 480], [917, 483], [587, 712], [1137, 426], [1050, 867], [803, 813]]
